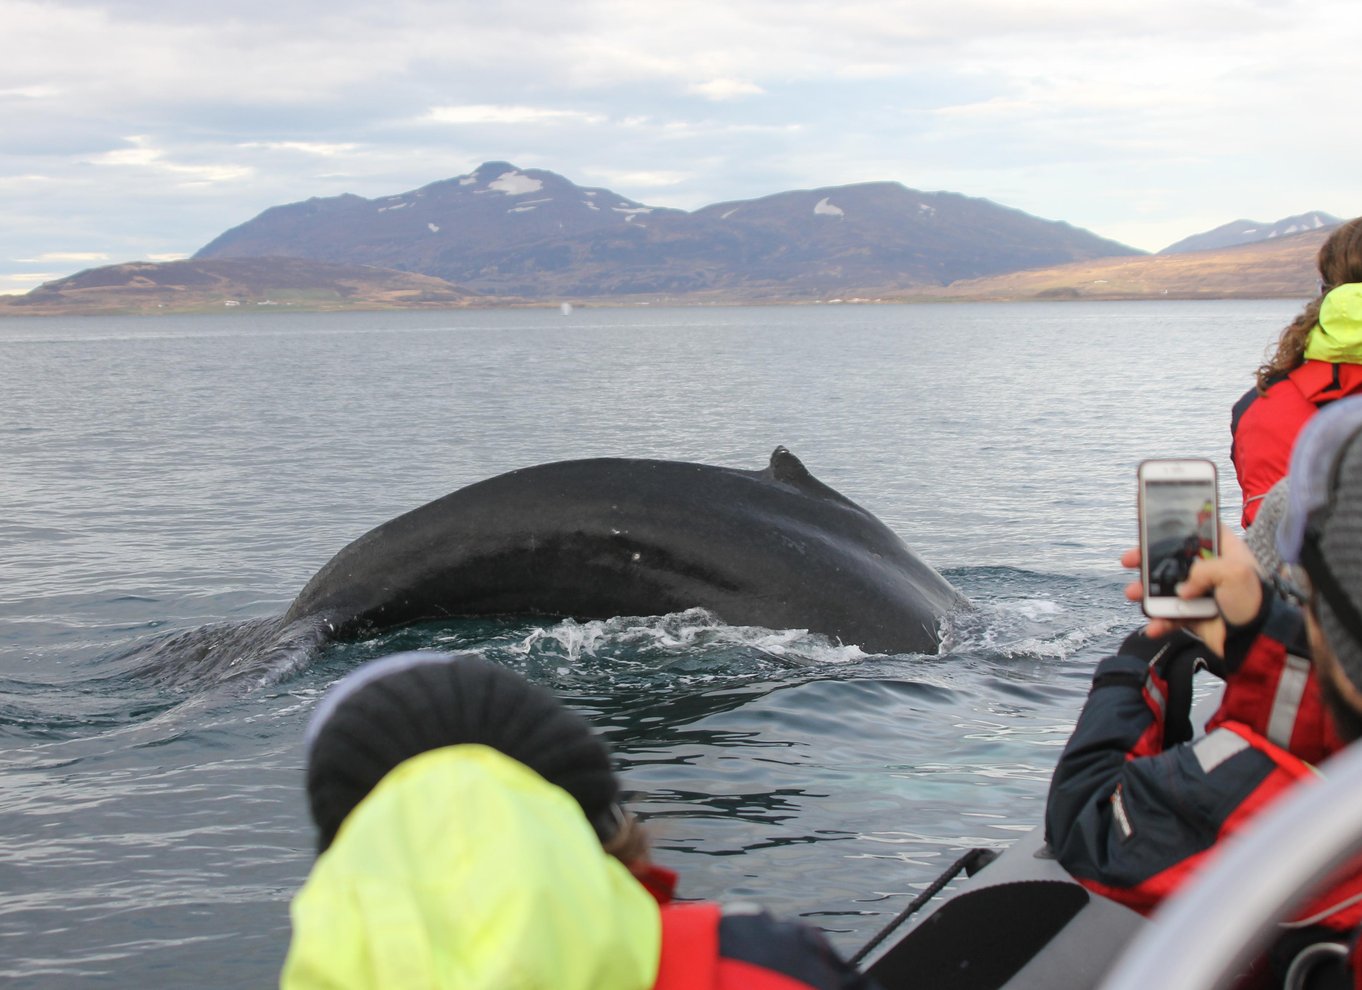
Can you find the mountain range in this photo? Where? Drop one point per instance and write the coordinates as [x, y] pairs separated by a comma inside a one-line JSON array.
[[532, 234], [1242, 232], [502, 235], [1283, 267]]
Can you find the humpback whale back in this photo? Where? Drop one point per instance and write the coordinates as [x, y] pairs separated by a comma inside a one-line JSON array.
[[612, 536]]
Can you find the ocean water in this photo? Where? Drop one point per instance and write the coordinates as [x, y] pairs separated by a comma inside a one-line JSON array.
[[163, 475]]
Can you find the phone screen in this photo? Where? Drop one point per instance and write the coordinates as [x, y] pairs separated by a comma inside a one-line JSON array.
[[1180, 522]]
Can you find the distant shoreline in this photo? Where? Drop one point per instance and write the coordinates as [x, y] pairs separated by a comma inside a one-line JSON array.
[[1283, 268], [11, 311]]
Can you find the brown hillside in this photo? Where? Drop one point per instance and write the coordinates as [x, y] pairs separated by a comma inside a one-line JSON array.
[[1283, 268], [233, 284]]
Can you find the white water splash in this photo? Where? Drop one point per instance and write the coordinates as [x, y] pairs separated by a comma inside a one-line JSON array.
[[641, 640], [1038, 628]]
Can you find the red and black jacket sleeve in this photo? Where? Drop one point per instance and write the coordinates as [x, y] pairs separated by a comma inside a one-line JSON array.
[[1271, 687], [757, 950], [1131, 818], [706, 947]]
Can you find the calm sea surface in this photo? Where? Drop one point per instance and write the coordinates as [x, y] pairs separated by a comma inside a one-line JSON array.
[[162, 475]]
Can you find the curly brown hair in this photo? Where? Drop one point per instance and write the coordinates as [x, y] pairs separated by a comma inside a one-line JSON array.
[[1340, 261]]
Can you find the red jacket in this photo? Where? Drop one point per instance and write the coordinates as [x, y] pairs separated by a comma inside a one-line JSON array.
[[1264, 427]]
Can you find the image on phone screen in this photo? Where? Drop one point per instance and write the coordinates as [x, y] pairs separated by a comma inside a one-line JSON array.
[[1180, 516]]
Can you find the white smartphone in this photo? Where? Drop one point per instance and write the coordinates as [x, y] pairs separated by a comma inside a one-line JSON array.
[[1179, 524]]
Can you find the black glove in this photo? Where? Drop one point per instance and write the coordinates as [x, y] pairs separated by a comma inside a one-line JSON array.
[[1175, 658]]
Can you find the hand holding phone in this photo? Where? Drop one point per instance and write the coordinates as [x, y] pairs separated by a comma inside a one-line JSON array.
[[1179, 512]]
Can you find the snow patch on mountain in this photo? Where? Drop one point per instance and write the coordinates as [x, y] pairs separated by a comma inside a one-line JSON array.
[[1312, 223], [825, 208], [515, 184], [433, 228]]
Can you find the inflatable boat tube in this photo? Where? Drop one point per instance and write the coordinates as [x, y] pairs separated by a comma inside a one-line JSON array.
[[1020, 923]]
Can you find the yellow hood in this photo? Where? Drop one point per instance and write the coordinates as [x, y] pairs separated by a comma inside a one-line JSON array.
[[464, 869], [1337, 337]]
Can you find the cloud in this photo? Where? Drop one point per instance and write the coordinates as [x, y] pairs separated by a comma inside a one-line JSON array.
[[511, 115], [24, 183], [726, 89], [17, 283], [140, 155], [1135, 115], [319, 148], [640, 180], [32, 92], [79, 256]]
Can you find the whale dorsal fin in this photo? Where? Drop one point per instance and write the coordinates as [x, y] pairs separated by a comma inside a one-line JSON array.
[[788, 468]]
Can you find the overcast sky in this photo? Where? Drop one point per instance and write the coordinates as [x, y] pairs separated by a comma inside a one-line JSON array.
[[142, 129]]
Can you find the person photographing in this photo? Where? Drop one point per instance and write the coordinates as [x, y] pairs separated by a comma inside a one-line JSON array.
[[1136, 805]]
